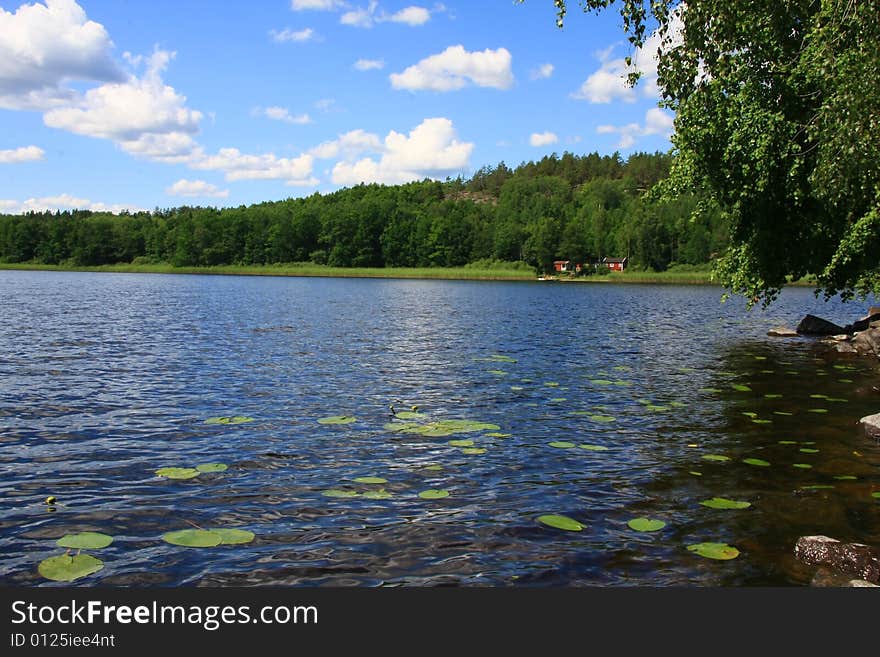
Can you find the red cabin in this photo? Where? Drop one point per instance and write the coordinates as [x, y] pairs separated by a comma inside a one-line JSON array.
[[615, 264], [561, 265]]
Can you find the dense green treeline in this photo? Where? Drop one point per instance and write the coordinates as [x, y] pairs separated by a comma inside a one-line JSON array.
[[579, 208]]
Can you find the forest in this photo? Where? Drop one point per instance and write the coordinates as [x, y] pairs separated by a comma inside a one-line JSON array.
[[571, 207]]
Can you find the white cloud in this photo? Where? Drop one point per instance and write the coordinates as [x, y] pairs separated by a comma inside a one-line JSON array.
[[282, 114], [193, 188], [22, 154], [62, 202], [143, 115], [300, 36], [369, 64], [453, 68], [542, 72], [657, 122], [430, 150], [609, 83], [319, 5], [241, 166], [326, 104], [411, 16], [368, 16], [349, 145], [543, 138], [43, 46]]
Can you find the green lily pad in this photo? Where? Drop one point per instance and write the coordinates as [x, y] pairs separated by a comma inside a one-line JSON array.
[[551, 384], [371, 480], [656, 409], [496, 434], [876, 495], [461, 443], [380, 494], [808, 450], [739, 387], [229, 419], [402, 427], [193, 538], [335, 492], [817, 410], [337, 419], [67, 568], [759, 462], [787, 442], [759, 421], [845, 477], [212, 467], [817, 487], [557, 400], [84, 541], [409, 415], [498, 372], [233, 536], [622, 383], [818, 396], [561, 444], [646, 524], [839, 400], [473, 450], [723, 503], [561, 522], [593, 448], [785, 413], [603, 418], [713, 391], [601, 382], [446, 427], [802, 466], [433, 468], [434, 494], [716, 457], [516, 388], [750, 414], [720, 551], [695, 473], [772, 396], [177, 473]]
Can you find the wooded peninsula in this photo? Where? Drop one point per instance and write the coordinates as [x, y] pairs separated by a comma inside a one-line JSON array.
[[581, 208]]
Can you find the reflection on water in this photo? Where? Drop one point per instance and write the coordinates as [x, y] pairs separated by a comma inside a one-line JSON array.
[[105, 378]]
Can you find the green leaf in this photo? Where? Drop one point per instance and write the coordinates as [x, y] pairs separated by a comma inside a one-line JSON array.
[[876, 495], [739, 387], [434, 494], [461, 443], [177, 473], [602, 418], [409, 415], [817, 487], [646, 525], [337, 419], [473, 450], [720, 551], [695, 473], [212, 467], [716, 457], [593, 448], [380, 494], [193, 538], [759, 462], [808, 450], [561, 522], [229, 419], [84, 541], [787, 442], [335, 492], [67, 568], [561, 444], [724, 503], [496, 434], [371, 480], [233, 536], [845, 477], [802, 466]]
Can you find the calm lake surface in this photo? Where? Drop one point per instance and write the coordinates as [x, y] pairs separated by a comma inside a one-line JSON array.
[[105, 378]]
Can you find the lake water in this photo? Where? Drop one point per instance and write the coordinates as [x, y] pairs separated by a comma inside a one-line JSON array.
[[105, 378]]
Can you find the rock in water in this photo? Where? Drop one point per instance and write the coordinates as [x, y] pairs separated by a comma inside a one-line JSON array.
[[782, 332], [862, 324], [850, 558], [867, 343], [812, 325], [871, 423]]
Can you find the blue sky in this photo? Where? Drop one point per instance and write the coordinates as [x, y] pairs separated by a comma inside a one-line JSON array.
[[107, 104]]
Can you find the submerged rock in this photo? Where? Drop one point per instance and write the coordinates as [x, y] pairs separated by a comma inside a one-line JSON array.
[[812, 325], [782, 332], [871, 423], [854, 559]]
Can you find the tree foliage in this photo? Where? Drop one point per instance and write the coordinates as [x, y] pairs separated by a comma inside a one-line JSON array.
[[778, 123]]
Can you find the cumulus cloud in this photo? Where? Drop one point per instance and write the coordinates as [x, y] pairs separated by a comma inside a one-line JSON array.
[[196, 188], [283, 114], [62, 202], [298, 36], [543, 138], [609, 82], [348, 145], [455, 68], [241, 166], [368, 16], [22, 154], [542, 72], [143, 115], [44, 46], [430, 150], [319, 5], [657, 122], [369, 64]]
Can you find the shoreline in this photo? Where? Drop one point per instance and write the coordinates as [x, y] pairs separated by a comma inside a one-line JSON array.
[[416, 273]]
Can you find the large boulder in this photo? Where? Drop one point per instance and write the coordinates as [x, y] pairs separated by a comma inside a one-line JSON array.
[[867, 343], [812, 325], [871, 423], [862, 324], [861, 561], [782, 332]]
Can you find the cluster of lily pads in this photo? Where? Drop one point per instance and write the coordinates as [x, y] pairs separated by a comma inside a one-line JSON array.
[[189, 473]]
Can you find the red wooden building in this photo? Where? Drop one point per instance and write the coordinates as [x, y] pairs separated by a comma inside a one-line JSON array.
[[615, 264]]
